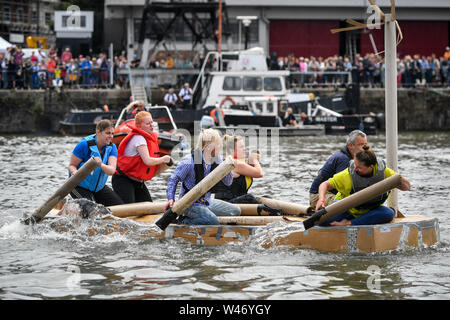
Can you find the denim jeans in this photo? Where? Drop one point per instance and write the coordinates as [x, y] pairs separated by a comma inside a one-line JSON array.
[[381, 214], [201, 215]]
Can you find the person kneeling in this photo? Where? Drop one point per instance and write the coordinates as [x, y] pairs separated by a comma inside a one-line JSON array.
[[362, 172], [190, 171]]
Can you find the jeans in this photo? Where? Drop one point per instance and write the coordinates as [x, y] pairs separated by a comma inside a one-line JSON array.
[[381, 214], [5, 79], [206, 215]]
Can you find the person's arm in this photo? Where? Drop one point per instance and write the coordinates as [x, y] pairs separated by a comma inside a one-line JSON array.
[[323, 189], [150, 161], [406, 185], [73, 164], [252, 169], [109, 168], [179, 174]]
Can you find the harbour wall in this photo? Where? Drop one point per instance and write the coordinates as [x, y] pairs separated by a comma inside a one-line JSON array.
[[39, 111]]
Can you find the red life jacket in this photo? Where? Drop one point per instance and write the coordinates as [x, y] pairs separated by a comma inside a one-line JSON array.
[[133, 166]]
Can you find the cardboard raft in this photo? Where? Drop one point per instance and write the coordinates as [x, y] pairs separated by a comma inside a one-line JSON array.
[[411, 231]]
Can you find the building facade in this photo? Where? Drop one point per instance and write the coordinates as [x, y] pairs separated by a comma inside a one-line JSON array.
[[22, 18], [299, 27]]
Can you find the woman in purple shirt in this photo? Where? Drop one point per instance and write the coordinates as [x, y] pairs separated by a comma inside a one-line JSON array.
[[191, 169]]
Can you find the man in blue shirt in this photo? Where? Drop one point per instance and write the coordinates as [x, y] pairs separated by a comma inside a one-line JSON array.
[[86, 67], [191, 169], [336, 163], [100, 147]]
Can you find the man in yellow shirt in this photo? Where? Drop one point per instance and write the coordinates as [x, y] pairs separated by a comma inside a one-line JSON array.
[[365, 170]]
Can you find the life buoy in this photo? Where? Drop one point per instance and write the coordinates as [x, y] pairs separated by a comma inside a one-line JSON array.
[[227, 98], [213, 112]]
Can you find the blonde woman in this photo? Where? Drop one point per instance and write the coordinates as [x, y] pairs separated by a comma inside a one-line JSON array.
[[193, 168], [289, 119], [243, 173]]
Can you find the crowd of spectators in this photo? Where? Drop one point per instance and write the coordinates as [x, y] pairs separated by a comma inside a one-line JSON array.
[[368, 70], [47, 69]]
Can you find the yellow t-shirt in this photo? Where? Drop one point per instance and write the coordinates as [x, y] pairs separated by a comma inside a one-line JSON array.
[[342, 182]]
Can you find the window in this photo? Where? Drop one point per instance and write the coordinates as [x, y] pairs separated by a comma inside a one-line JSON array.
[[253, 32], [259, 107], [232, 83], [48, 18], [34, 16], [270, 107], [252, 84], [272, 84], [7, 13], [76, 21], [19, 15]]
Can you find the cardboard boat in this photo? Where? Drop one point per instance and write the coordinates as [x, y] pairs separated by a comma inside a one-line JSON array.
[[285, 230]]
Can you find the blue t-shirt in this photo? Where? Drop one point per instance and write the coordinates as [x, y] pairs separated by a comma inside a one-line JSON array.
[[336, 163], [83, 152]]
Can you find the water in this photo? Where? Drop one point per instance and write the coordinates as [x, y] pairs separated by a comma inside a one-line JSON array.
[[39, 263]]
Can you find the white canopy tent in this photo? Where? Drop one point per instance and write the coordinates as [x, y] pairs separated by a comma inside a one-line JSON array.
[[4, 45], [27, 51]]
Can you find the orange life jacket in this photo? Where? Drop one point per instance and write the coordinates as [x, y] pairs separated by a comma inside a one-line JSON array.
[[133, 166]]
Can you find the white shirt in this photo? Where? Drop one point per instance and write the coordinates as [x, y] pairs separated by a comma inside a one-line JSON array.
[[131, 148], [185, 94], [171, 97]]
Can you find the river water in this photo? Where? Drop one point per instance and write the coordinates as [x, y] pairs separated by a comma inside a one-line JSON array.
[[40, 263]]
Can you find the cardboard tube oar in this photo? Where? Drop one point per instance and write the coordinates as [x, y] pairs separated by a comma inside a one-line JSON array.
[[137, 209], [249, 221], [195, 193], [62, 192], [286, 207], [353, 200], [250, 209]]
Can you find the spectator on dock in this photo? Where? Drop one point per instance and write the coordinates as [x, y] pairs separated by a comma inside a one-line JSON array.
[[170, 99], [336, 163], [66, 56], [186, 96]]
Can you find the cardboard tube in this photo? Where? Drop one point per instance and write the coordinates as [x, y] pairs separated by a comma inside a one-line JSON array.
[[286, 207], [137, 209], [251, 221], [353, 200], [63, 191], [195, 193], [248, 209]]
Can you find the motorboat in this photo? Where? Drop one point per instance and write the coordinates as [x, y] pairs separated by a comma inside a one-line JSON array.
[[167, 139]]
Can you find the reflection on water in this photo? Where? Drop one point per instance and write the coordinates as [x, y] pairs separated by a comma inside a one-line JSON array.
[[39, 263]]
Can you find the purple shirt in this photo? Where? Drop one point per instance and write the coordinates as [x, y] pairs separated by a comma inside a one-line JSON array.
[[185, 172]]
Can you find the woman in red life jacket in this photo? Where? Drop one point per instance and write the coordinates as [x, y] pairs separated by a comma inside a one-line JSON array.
[[138, 161]]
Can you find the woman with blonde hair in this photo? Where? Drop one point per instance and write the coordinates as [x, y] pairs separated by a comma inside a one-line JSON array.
[[243, 173], [138, 160], [289, 119], [191, 170]]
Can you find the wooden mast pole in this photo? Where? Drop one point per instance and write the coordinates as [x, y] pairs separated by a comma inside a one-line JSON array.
[[390, 47]]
